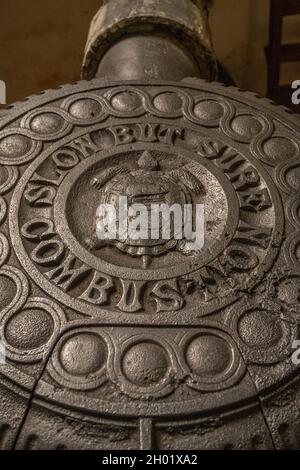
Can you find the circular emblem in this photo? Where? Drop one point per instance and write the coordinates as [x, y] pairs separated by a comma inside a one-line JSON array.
[[150, 164]]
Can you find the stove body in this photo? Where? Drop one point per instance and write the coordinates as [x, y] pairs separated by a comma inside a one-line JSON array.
[[143, 346]]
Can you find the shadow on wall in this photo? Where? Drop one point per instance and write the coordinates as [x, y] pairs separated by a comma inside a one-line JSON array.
[[42, 43]]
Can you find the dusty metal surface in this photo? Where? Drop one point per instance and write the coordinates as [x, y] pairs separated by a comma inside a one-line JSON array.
[[122, 347], [143, 344]]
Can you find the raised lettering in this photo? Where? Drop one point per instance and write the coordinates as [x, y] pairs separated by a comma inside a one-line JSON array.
[[131, 295], [167, 296], [98, 290], [67, 275]]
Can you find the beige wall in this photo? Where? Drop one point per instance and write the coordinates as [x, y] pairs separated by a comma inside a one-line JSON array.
[[41, 42], [240, 31]]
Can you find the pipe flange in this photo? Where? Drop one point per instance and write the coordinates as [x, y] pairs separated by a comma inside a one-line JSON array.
[[186, 20]]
